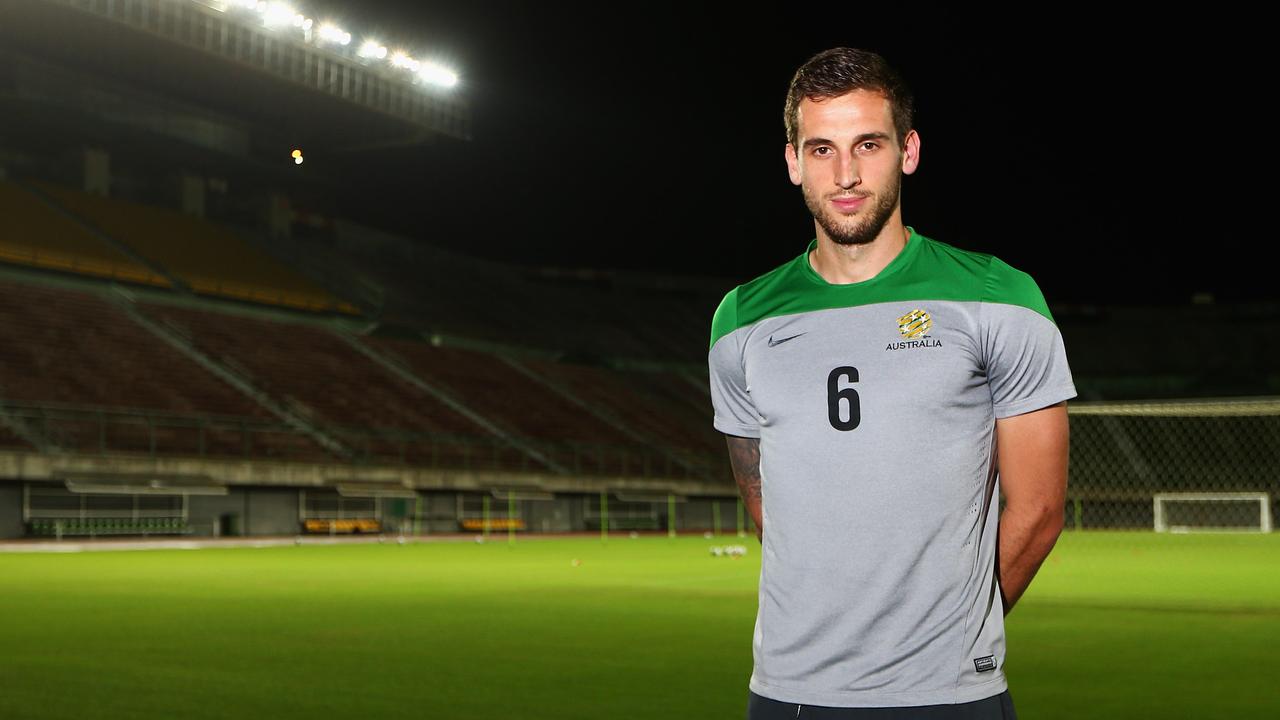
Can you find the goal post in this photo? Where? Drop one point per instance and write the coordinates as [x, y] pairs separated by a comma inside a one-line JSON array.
[[1183, 512]]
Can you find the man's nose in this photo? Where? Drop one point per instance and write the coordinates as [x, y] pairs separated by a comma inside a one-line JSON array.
[[847, 172]]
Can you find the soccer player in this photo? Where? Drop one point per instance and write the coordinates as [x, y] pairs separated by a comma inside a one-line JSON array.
[[878, 391]]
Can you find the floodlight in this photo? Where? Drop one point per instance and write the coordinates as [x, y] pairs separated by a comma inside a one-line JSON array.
[[437, 75], [372, 49], [401, 59], [277, 14], [334, 34]]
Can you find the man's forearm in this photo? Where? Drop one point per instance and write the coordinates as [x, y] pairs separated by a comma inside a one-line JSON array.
[[1025, 537], [1033, 457], [744, 456]]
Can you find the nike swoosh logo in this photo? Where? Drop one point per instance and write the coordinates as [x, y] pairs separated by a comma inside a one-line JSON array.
[[779, 341]]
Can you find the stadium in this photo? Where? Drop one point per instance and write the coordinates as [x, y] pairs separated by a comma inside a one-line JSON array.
[[267, 450]]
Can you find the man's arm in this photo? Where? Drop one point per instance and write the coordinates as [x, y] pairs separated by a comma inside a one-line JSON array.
[[1032, 456], [744, 455]]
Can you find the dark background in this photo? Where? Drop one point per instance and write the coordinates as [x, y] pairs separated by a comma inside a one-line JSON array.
[[1117, 159]]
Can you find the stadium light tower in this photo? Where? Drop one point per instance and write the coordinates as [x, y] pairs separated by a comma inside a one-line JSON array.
[[277, 38], [278, 16]]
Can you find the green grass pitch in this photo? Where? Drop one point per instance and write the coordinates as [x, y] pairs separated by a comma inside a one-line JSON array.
[[1116, 625]]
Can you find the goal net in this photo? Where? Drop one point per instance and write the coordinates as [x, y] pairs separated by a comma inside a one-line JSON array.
[[1175, 466]]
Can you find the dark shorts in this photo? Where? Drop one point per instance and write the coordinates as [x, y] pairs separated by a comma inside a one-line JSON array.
[[996, 707]]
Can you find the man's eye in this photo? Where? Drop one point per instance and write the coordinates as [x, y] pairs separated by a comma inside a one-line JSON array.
[[818, 151], [870, 145]]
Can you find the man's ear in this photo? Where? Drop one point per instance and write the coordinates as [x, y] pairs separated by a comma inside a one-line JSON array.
[[793, 164], [911, 153]]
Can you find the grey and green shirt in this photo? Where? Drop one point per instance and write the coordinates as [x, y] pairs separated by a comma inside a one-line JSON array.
[[875, 405]]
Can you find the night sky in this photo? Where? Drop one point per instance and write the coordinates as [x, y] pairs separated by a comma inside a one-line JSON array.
[[1116, 161]]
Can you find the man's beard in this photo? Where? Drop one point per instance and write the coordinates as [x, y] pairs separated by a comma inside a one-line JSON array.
[[868, 223]]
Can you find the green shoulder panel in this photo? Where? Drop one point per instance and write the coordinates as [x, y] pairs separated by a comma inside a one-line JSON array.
[[1011, 286], [725, 320], [926, 269]]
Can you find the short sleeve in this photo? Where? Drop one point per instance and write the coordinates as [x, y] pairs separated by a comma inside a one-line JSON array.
[[1024, 355], [735, 414]]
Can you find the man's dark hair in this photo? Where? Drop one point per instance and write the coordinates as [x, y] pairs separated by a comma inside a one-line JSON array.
[[832, 73]]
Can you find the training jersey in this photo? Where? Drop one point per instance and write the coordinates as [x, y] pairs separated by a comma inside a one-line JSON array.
[[875, 404]]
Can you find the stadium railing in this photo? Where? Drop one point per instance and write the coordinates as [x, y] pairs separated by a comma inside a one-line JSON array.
[[110, 431]]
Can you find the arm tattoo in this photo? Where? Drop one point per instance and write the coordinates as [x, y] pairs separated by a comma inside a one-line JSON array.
[[744, 456]]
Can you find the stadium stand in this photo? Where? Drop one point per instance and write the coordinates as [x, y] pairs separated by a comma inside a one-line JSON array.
[[40, 235], [85, 371], [313, 367], [684, 391], [208, 257], [90, 377], [496, 389], [601, 314], [65, 346], [313, 370], [615, 399]]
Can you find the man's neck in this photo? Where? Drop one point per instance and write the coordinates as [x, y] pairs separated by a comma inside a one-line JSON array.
[[844, 264]]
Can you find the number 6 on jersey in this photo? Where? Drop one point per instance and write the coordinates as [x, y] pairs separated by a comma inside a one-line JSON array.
[[835, 395]]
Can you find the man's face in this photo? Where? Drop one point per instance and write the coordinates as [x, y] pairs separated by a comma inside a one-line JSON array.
[[849, 165]]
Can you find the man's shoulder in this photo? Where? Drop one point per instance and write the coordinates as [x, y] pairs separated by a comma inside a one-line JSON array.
[[1010, 286], [728, 317], [961, 268], [725, 319], [989, 279]]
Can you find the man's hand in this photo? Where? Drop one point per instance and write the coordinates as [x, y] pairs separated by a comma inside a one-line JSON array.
[[744, 455], [1031, 452]]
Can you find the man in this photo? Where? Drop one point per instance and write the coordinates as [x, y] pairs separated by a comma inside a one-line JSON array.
[[878, 392]]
